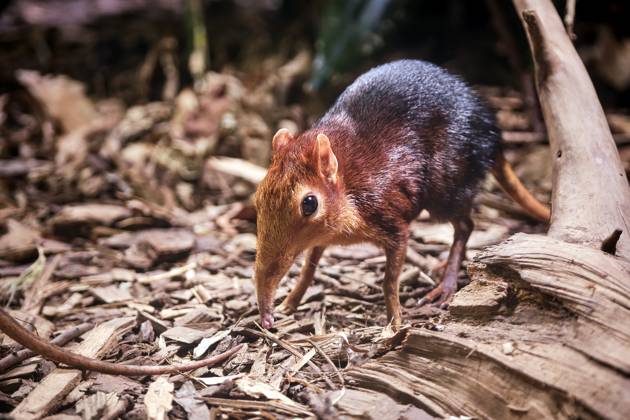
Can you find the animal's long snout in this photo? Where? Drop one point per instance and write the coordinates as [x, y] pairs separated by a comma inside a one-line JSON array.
[[266, 320], [268, 274], [265, 299]]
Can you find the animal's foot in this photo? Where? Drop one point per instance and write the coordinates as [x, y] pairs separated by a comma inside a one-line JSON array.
[[441, 296], [396, 323], [394, 319], [287, 307]]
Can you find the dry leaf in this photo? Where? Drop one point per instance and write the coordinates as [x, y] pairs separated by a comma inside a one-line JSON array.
[[187, 397], [62, 98], [257, 389], [205, 344], [159, 399], [94, 406], [218, 380], [184, 334], [28, 276]]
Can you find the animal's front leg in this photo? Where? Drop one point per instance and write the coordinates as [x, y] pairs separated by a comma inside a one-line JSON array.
[[395, 258], [292, 301]]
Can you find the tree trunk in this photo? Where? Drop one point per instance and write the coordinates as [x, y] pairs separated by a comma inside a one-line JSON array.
[[591, 198]]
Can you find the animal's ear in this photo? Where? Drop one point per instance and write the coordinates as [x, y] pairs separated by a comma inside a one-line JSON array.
[[280, 139], [326, 159]]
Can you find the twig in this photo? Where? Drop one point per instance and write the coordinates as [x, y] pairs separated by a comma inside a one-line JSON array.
[[199, 58], [288, 347], [174, 272], [351, 346], [304, 383], [37, 293], [57, 354], [496, 202], [330, 362], [507, 44], [224, 221], [240, 168], [224, 403], [509, 48], [569, 18], [303, 361], [164, 51], [62, 339]]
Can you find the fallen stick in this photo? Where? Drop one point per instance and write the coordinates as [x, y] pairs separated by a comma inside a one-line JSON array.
[[57, 354], [62, 339]]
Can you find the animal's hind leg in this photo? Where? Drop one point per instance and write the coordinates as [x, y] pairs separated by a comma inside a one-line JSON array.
[[292, 301], [443, 294]]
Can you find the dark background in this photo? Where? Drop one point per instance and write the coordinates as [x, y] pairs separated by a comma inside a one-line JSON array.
[[103, 43]]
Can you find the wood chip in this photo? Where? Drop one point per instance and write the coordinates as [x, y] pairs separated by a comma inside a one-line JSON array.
[[110, 294], [19, 243], [77, 219], [478, 299], [184, 334], [197, 316], [206, 343]]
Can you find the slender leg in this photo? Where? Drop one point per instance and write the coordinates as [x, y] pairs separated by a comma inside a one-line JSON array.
[[395, 259], [292, 301], [443, 294]]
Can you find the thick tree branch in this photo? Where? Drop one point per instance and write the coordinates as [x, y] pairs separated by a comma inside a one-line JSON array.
[[591, 198]]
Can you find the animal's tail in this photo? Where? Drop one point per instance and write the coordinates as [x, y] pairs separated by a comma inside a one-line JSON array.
[[510, 183]]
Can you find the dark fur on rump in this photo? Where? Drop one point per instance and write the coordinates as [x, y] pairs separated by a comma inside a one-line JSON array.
[[408, 135]]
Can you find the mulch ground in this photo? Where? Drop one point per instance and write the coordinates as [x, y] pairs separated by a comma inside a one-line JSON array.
[[128, 239]]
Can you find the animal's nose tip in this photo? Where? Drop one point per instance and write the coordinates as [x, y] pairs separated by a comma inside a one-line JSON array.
[[266, 320]]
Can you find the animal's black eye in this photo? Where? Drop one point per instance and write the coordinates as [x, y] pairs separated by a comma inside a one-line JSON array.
[[309, 205]]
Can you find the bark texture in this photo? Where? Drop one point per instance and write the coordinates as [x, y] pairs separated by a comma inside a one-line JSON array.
[[591, 198]]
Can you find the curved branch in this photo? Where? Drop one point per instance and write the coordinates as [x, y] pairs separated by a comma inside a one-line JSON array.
[[591, 198]]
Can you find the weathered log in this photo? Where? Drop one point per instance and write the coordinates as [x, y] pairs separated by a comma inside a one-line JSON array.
[[589, 283], [445, 374], [546, 346]]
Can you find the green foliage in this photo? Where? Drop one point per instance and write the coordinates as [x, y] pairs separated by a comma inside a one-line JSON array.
[[348, 32], [198, 38]]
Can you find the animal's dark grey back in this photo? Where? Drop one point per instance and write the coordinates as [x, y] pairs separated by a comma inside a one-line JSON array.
[[421, 96], [423, 110]]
